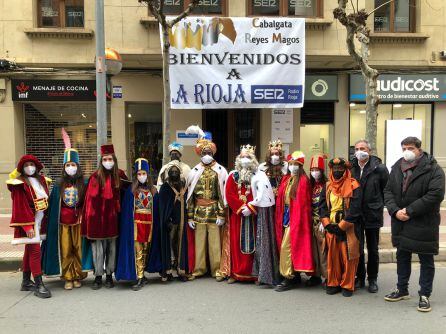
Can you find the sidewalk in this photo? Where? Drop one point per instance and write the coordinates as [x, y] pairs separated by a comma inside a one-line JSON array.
[[11, 256]]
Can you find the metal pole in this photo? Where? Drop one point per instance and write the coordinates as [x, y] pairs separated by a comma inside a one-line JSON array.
[[101, 80]]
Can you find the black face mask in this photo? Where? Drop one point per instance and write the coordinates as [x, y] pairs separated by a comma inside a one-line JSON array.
[[175, 156], [338, 174], [174, 175]]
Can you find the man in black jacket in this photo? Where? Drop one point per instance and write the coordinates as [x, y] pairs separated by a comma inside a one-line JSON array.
[[413, 195], [373, 176]]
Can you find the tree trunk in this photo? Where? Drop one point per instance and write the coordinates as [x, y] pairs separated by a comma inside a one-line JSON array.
[[166, 91]]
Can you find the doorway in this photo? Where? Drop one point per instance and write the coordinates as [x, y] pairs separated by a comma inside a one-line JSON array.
[[231, 128]]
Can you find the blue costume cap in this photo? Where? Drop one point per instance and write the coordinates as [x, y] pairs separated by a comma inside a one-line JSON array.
[[207, 135], [71, 155], [142, 164]]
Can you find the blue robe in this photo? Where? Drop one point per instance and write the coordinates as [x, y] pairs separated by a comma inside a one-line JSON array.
[[50, 247], [125, 260]]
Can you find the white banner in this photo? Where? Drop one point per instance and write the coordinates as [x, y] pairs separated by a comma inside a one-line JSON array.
[[246, 62]]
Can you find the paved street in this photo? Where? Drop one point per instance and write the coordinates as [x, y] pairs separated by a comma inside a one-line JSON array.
[[210, 307]]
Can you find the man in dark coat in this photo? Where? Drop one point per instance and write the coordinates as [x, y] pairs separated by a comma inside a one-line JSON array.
[[413, 195], [372, 175]]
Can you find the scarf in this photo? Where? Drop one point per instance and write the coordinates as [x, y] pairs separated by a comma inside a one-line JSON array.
[[407, 167], [343, 187]]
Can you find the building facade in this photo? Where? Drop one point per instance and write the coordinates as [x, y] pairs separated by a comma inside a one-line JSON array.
[[49, 45]]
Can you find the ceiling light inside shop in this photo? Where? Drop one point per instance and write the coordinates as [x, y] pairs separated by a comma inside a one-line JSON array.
[[129, 115], [397, 105], [83, 115], [90, 126], [353, 104], [362, 111]]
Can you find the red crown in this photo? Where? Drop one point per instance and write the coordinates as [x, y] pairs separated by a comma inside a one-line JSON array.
[[107, 149]]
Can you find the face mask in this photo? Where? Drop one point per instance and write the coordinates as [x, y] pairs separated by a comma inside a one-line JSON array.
[[409, 155], [293, 169], [108, 165], [142, 178], [338, 174], [361, 155], [30, 170], [71, 170], [275, 160], [207, 159], [245, 162], [316, 174]]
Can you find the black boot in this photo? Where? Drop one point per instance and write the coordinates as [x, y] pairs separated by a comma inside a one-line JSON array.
[[285, 285], [27, 283], [97, 284], [109, 282], [41, 291], [313, 281], [138, 284], [359, 283], [373, 286]]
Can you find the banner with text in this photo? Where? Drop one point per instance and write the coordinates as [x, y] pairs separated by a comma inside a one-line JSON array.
[[221, 62]]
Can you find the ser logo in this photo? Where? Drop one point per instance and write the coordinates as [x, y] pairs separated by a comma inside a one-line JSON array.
[[276, 94]]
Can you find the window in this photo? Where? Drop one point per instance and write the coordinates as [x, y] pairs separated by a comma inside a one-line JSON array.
[[205, 7], [61, 13], [396, 16], [300, 8]]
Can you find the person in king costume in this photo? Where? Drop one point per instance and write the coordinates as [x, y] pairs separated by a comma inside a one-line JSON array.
[[242, 215], [206, 209], [173, 217], [29, 194], [100, 219], [275, 165], [294, 223], [317, 180], [65, 252], [175, 152], [138, 242], [340, 213]]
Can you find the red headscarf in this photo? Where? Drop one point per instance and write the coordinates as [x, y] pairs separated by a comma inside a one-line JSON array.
[[344, 186]]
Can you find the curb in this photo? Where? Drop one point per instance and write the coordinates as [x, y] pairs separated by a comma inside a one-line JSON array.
[[10, 264]]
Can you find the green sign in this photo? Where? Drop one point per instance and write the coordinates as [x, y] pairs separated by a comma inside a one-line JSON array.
[[321, 87]]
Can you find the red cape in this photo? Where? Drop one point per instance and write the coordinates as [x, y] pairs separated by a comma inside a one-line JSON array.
[[300, 224]]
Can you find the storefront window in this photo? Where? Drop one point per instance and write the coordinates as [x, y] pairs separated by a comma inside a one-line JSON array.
[[301, 8], [205, 7], [386, 112], [395, 16], [144, 125], [61, 13], [43, 124]]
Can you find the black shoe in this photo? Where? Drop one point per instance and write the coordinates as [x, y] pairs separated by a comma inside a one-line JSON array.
[[347, 293], [373, 286], [396, 296], [138, 284], [97, 284], [332, 290], [285, 285], [41, 291], [424, 305], [359, 283], [145, 280], [109, 282], [313, 281], [27, 283], [170, 277]]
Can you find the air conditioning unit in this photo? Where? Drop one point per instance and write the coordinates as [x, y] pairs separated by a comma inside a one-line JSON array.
[[443, 54]]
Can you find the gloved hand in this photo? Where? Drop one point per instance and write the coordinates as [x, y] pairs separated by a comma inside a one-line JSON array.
[[220, 222], [321, 228], [330, 228], [246, 212], [191, 224], [340, 234]]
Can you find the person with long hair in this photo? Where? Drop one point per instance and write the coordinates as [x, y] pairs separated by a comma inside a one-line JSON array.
[[29, 194], [138, 227], [101, 215], [317, 181], [294, 224], [65, 251]]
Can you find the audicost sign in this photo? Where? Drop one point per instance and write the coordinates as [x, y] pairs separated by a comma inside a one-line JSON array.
[[402, 87], [218, 62]]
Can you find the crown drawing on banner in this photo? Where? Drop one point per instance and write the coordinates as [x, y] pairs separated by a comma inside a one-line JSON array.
[[248, 149], [275, 145]]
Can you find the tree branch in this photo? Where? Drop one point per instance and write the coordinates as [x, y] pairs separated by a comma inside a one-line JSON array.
[[185, 13]]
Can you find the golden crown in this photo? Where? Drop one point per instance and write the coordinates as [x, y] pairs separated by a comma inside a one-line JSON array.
[[248, 149], [275, 145]]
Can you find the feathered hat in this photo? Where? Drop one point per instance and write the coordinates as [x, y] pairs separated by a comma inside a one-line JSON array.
[[296, 156], [339, 162], [142, 164], [318, 161], [175, 146], [70, 154], [204, 139]]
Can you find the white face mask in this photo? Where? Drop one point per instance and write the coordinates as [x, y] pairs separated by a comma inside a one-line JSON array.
[[409, 155], [361, 155], [316, 174], [293, 169], [275, 160], [108, 164], [30, 170], [142, 178], [245, 162], [71, 170], [207, 159]]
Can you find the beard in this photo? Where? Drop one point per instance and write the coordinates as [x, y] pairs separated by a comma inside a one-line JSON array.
[[246, 173]]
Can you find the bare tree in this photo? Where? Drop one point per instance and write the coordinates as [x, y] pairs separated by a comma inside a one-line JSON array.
[[356, 25], [156, 8]]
